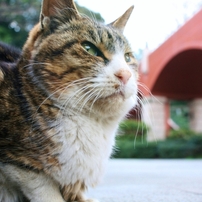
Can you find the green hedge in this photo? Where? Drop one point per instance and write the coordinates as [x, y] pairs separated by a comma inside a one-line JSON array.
[[131, 129], [179, 149], [179, 145], [181, 134], [131, 149]]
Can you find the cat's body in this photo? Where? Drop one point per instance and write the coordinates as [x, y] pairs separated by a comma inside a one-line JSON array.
[[61, 101]]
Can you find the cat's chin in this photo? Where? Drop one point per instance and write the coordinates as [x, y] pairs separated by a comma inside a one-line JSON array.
[[116, 104], [119, 95]]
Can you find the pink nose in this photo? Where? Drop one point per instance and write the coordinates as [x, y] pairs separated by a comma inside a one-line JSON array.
[[123, 75]]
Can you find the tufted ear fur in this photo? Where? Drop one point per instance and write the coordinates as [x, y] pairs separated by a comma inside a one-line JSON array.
[[50, 8], [120, 23]]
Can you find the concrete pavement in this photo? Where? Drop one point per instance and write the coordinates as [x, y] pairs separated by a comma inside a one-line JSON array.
[[151, 181]]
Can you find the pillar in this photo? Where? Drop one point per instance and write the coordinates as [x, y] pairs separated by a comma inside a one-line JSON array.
[[196, 115], [155, 115]]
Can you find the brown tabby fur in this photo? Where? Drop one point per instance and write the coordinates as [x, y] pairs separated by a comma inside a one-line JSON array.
[[51, 57]]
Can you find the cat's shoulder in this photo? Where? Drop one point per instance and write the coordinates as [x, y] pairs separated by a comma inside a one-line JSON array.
[[9, 55]]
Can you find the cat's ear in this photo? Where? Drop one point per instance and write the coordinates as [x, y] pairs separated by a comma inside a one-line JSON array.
[[50, 8], [120, 23]]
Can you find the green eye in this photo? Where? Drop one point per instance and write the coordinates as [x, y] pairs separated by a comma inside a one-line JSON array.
[[90, 48], [127, 57]]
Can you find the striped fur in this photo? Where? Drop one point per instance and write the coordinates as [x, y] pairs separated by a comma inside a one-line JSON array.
[[60, 105]]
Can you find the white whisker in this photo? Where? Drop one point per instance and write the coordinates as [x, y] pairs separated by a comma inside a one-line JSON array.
[[89, 94], [95, 99]]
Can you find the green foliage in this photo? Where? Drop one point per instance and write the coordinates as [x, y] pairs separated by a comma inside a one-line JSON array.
[[181, 144], [133, 149], [181, 134], [8, 35], [17, 17], [132, 129], [179, 112], [176, 149]]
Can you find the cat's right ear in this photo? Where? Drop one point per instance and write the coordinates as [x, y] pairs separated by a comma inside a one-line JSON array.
[[50, 8], [120, 23]]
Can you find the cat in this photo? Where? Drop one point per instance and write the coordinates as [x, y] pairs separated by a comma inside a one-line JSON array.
[[61, 101]]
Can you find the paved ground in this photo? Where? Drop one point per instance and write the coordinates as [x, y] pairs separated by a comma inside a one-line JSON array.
[[151, 181]]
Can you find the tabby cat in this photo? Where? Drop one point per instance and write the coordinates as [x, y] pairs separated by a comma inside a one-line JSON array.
[[61, 101]]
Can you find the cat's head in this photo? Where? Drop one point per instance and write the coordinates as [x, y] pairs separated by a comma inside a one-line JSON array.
[[81, 63]]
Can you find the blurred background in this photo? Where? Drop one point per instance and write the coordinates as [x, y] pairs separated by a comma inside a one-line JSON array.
[[167, 41]]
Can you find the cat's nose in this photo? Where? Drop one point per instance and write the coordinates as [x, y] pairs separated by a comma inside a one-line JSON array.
[[123, 75]]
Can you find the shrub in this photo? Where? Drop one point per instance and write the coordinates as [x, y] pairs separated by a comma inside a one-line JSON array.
[[126, 148], [180, 145], [197, 141], [132, 129], [181, 134], [132, 143], [176, 149]]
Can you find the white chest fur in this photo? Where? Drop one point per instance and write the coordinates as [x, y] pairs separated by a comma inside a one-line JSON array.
[[87, 145]]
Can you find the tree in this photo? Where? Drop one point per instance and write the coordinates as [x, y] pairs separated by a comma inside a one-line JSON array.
[[17, 17]]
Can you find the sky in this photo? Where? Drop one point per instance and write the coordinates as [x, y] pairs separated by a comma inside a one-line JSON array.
[[151, 22]]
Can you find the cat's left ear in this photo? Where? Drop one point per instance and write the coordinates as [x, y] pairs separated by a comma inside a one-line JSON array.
[[120, 23], [50, 8]]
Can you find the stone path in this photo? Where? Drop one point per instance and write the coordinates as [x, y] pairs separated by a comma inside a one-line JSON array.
[[151, 181]]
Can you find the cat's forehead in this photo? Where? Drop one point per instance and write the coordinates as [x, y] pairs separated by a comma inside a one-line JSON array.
[[97, 33]]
